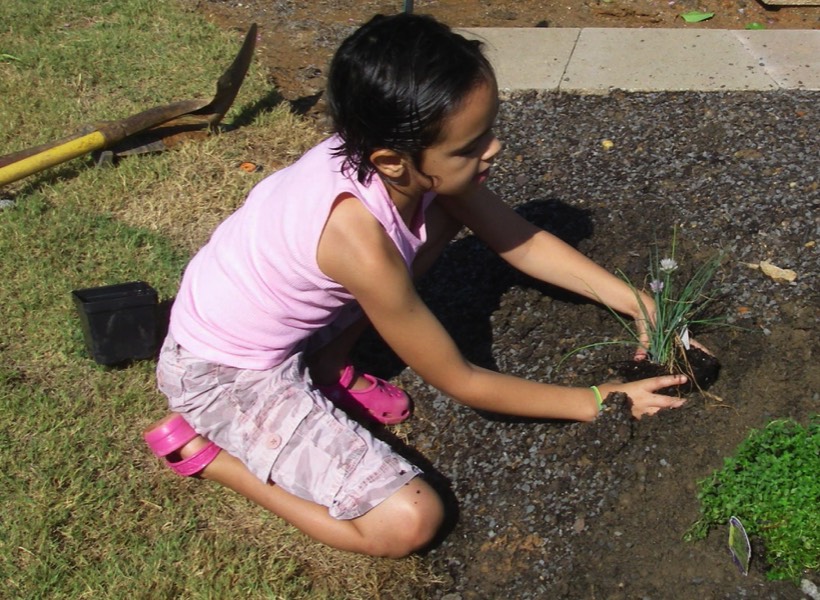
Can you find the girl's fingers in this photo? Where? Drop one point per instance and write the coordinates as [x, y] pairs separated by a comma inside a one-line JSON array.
[[645, 400], [654, 402], [669, 402], [643, 339], [658, 383], [658, 403], [700, 346]]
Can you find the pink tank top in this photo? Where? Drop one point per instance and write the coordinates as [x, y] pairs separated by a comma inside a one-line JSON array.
[[254, 291]]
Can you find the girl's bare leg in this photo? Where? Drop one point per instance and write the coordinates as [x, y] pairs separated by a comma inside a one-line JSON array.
[[407, 521]]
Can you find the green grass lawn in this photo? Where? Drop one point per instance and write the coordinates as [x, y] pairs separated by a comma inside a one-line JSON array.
[[87, 511]]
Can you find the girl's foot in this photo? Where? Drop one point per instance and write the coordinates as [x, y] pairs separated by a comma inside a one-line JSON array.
[[184, 451], [383, 401]]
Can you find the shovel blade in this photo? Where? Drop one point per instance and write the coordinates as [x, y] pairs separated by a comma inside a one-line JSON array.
[[228, 84], [198, 114]]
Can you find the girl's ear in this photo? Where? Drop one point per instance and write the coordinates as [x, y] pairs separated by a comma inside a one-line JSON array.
[[388, 163]]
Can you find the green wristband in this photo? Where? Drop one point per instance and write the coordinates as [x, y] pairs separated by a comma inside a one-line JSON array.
[[598, 399]]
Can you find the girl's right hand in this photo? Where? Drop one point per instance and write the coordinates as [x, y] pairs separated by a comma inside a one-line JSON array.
[[642, 393]]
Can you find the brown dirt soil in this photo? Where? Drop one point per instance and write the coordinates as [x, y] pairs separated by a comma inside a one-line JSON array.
[[628, 544]]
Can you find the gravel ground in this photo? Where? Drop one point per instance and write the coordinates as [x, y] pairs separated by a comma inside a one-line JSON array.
[[559, 510]]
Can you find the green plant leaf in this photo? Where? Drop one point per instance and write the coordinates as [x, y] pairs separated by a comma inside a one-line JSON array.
[[697, 16], [755, 25]]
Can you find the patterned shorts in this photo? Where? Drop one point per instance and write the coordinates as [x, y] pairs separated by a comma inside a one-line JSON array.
[[284, 430]]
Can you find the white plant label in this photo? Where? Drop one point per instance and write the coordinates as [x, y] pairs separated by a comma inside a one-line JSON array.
[[739, 545], [684, 337]]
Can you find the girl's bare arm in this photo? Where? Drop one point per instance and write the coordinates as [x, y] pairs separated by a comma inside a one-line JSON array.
[[356, 252], [540, 254]]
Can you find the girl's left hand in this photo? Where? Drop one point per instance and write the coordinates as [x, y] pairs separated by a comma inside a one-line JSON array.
[[642, 329], [643, 338], [642, 325]]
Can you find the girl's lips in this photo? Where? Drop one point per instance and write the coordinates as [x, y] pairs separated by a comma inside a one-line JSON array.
[[483, 176]]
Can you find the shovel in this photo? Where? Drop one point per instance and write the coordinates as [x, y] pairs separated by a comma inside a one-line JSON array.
[[155, 123]]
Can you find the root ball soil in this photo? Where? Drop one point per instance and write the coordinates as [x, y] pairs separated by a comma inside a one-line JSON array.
[[701, 368]]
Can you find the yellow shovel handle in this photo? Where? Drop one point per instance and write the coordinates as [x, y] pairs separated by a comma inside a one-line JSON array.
[[53, 156]]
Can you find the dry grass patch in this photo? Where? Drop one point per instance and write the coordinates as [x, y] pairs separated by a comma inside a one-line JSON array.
[[186, 192], [333, 574]]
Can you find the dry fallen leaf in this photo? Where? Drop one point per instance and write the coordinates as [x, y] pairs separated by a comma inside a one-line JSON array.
[[250, 167], [776, 273]]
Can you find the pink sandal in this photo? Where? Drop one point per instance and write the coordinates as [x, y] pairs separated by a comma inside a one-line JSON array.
[[383, 401], [172, 435]]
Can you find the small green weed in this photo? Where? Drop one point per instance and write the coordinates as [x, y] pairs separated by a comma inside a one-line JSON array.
[[772, 485]]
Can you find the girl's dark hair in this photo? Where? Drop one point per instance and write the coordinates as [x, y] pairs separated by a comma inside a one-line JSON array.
[[393, 82]]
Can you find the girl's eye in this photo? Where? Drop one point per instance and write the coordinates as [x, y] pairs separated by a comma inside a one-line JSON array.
[[478, 146]]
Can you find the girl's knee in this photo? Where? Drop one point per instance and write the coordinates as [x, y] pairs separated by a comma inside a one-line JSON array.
[[407, 521], [423, 508]]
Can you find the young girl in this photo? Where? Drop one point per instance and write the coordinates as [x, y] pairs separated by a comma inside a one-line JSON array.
[[255, 364]]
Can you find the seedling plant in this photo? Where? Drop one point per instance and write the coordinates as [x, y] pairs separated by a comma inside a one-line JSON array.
[[679, 307]]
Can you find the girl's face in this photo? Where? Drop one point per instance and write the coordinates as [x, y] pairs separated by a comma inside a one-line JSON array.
[[461, 159]]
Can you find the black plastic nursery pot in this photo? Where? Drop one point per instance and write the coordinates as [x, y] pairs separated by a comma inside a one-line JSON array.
[[119, 321]]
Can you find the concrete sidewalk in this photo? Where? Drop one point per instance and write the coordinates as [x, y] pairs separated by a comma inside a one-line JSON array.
[[596, 61]]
